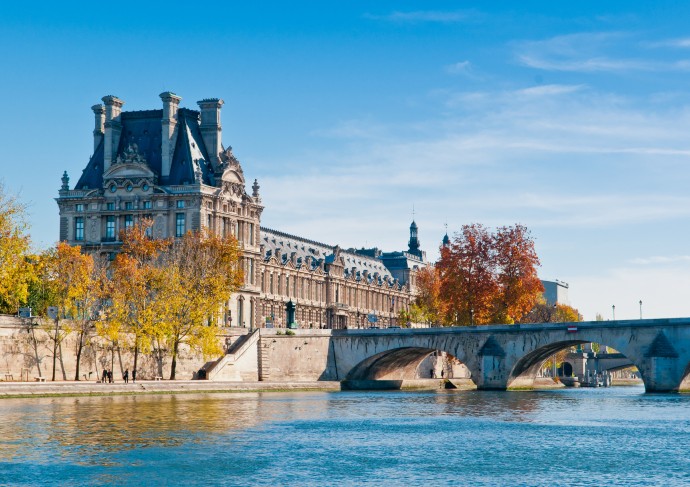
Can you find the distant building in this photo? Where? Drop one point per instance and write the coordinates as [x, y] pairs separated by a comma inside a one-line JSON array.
[[169, 165], [556, 292]]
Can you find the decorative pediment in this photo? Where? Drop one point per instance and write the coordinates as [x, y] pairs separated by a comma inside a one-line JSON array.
[[230, 168]]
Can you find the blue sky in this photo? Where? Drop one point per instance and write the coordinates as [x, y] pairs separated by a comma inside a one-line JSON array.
[[572, 118]]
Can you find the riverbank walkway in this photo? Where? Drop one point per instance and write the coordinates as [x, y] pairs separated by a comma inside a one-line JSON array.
[[91, 388]]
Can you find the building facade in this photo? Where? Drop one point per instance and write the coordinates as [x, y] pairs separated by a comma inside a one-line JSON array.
[[169, 165]]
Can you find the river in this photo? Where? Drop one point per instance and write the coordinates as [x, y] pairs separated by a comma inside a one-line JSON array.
[[616, 436]]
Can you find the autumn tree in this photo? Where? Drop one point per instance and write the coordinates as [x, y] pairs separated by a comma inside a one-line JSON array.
[[518, 283], [426, 307], [201, 271], [16, 269], [68, 274], [488, 277], [468, 286], [136, 291]]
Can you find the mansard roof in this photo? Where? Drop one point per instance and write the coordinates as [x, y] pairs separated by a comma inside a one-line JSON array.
[[142, 129], [273, 240]]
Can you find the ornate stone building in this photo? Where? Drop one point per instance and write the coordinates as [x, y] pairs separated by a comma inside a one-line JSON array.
[[170, 165]]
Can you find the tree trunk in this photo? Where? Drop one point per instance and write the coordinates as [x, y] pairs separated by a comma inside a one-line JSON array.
[[80, 347], [112, 359], [62, 363], [173, 365], [55, 346], [136, 358]]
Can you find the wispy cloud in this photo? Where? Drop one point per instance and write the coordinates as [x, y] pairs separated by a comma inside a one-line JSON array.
[[462, 67], [661, 259], [595, 52], [681, 42], [421, 16], [552, 89]]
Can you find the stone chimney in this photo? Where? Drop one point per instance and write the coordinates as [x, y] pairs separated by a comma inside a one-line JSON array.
[[171, 103], [99, 129], [210, 127], [112, 129]]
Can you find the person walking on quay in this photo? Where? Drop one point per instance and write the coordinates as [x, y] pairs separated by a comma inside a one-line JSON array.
[[104, 376], [134, 376], [125, 376], [110, 376]]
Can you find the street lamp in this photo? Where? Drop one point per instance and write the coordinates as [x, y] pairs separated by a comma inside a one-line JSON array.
[[613, 308], [471, 316], [640, 309]]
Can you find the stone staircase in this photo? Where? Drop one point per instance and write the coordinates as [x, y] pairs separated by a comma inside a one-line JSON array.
[[234, 353]]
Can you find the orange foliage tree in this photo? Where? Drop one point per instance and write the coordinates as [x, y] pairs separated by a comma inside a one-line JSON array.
[[488, 277], [517, 279]]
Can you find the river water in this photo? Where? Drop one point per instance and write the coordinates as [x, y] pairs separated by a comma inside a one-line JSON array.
[[616, 436]]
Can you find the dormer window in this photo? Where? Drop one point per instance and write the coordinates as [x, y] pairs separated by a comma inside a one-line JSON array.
[[113, 188], [145, 187], [130, 187], [180, 203], [79, 208]]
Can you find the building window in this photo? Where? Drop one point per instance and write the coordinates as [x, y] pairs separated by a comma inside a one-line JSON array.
[[180, 203], [110, 206], [251, 271], [287, 285], [110, 228], [251, 234], [79, 228], [208, 222], [179, 224], [129, 205], [271, 283], [263, 282], [129, 221], [240, 312], [79, 208], [147, 205]]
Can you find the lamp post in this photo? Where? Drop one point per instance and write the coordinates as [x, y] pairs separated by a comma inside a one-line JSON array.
[[640, 309], [471, 316], [613, 309]]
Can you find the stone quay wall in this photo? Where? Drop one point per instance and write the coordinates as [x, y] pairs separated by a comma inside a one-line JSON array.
[[26, 353]]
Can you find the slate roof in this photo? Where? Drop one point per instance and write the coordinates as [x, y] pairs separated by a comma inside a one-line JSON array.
[[143, 128], [287, 244]]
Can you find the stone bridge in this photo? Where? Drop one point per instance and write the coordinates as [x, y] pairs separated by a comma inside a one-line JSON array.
[[509, 356]]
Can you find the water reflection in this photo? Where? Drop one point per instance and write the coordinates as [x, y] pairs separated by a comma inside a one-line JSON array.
[[349, 437]]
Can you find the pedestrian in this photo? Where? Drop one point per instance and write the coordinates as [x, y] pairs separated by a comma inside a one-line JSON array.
[[134, 375], [431, 373], [110, 376], [125, 376], [104, 377], [442, 371]]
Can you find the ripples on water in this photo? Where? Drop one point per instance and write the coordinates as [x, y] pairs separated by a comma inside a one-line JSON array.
[[616, 436]]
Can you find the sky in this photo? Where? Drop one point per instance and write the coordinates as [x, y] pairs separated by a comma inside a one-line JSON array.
[[572, 118]]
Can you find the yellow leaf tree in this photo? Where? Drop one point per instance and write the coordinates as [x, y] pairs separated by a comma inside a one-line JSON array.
[[69, 275], [202, 270], [136, 308], [16, 270]]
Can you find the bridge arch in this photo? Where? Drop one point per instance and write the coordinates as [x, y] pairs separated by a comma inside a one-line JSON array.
[[396, 364], [525, 370]]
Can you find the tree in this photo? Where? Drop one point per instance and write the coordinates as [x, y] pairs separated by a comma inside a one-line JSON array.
[[201, 272], [545, 313], [68, 274], [426, 307], [518, 283], [466, 269], [136, 291], [16, 270]]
